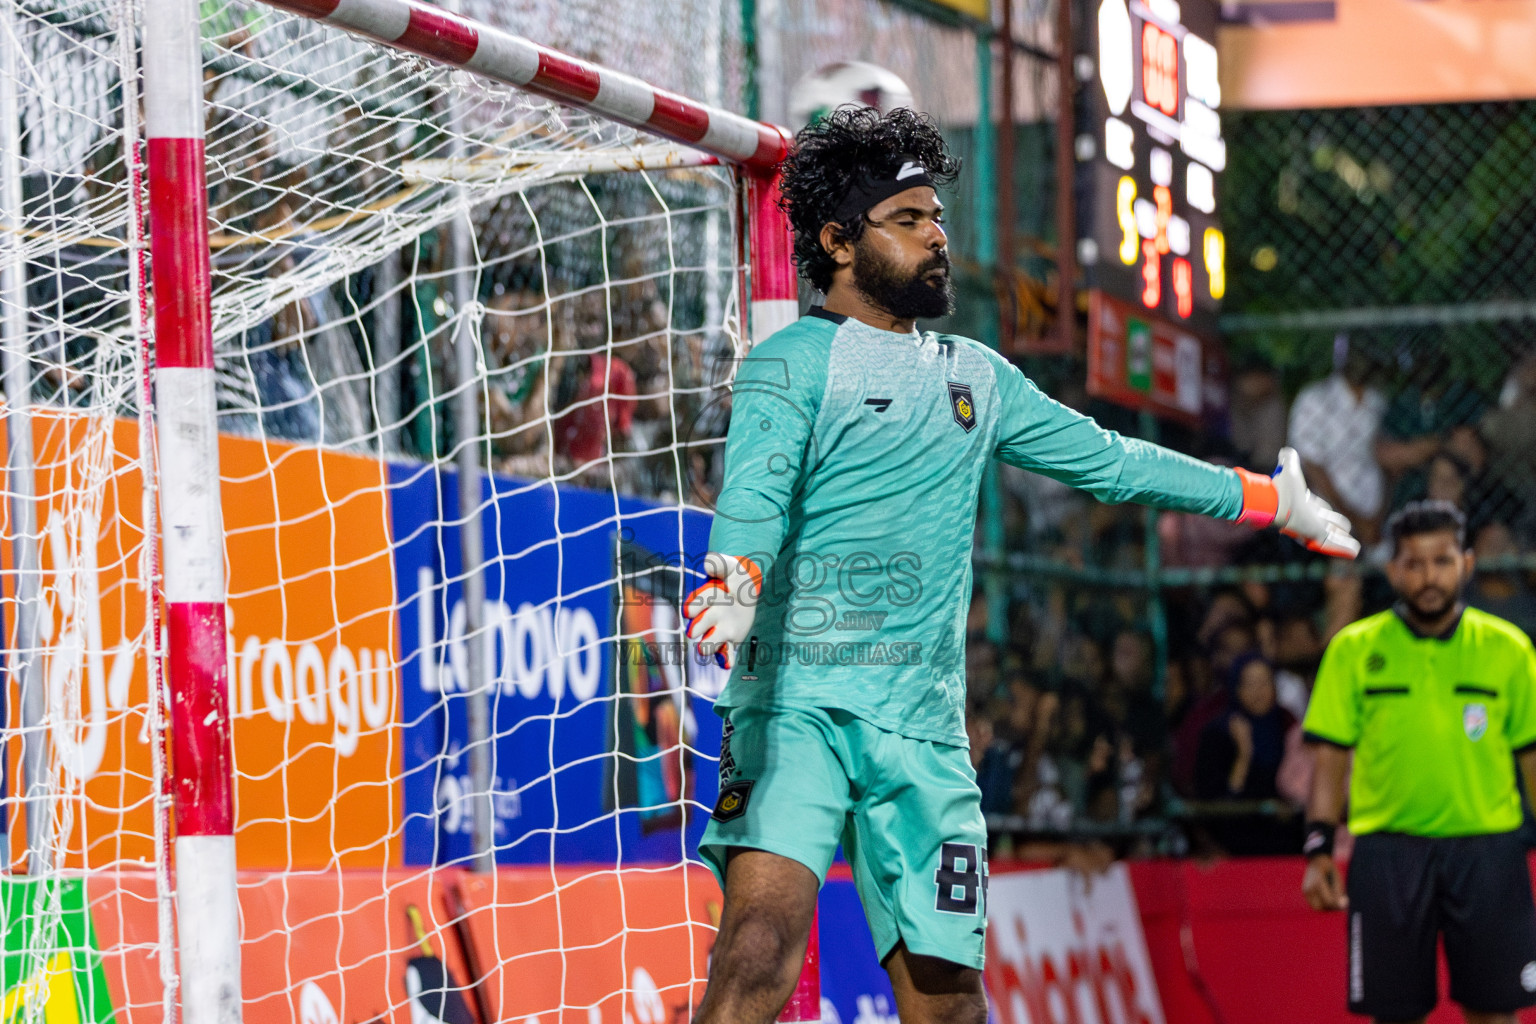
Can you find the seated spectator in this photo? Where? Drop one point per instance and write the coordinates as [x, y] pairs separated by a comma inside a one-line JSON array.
[[1042, 787], [982, 668], [1296, 652], [1488, 497], [1127, 695], [1239, 759], [1510, 431], [1333, 427], [1240, 751], [1500, 592], [1258, 431], [595, 396], [1450, 477], [1140, 732], [992, 757], [1419, 419], [274, 350], [519, 336], [1229, 636]]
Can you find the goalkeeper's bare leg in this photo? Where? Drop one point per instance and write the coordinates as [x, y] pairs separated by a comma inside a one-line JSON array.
[[934, 991], [769, 903]]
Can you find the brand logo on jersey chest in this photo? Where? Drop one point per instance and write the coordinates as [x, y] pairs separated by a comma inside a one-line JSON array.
[[964, 405]]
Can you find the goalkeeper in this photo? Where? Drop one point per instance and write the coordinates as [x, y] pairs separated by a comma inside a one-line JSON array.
[[840, 574]]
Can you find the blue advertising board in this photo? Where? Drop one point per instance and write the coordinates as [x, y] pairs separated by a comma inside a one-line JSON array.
[[604, 739], [854, 988]]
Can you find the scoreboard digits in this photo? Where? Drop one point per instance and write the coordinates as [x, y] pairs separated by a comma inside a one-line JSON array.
[[1152, 235]]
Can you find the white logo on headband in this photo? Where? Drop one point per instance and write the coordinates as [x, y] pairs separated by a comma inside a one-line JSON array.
[[909, 169]]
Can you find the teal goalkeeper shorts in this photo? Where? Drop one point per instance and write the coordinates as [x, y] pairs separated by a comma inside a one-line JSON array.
[[797, 781]]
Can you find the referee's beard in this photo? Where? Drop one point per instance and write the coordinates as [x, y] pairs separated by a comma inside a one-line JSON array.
[[1430, 603], [1435, 600], [919, 294]]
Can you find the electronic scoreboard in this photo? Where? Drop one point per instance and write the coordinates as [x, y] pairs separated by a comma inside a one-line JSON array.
[[1149, 153]]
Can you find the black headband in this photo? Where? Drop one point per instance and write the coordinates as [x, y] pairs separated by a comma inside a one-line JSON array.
[[869, 189]]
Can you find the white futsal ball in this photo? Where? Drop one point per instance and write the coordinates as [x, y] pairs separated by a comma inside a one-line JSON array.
[[851, 81]]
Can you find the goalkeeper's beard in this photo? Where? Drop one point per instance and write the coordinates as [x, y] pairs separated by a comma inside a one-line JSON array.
[[904, 295]]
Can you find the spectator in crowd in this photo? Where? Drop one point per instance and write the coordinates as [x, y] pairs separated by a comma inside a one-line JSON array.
[[1291, 643], [1510, 431], [1418, 422], [1259, 419], [1227, 635], [1239, 758], [1240, 750], [519, 336], [1333, 427], [595, 405], [285, 388], [1487, 497], [992, 756], [1500, 592]]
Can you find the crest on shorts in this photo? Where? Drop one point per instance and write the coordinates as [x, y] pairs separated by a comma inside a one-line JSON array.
[[733, 800], [1474, 721], [963, 404]]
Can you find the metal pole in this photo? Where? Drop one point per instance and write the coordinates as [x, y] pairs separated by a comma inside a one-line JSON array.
[[186, 414], [468, 436], [129, 14], [1066, 176], [386, 350], [988, 190], [1008, 301], [1157, 612], [19, 462], [772, 99]]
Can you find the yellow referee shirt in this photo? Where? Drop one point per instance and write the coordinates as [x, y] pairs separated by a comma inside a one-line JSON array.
[[1434, 722]]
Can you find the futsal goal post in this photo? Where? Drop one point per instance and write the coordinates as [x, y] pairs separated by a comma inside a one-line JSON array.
[[403, 317]]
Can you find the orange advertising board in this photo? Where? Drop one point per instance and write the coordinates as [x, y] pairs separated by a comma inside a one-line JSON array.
[[582, 946], [1375, 52], [578, 945], [313, 650]]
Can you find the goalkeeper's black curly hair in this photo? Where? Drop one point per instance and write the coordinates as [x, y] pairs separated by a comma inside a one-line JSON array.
[[829, 155]]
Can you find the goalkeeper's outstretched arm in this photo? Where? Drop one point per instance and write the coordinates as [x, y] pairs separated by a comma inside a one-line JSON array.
[[1046, 437]]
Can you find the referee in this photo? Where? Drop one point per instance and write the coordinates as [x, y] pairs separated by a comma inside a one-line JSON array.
[[1437, 701]]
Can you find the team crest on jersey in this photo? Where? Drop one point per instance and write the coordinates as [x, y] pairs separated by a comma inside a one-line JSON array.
[[963, 404], [1474, 721], [733, 800]]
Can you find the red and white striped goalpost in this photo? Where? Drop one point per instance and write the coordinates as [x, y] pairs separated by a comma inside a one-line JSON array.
[[186, 414], [207, 910]]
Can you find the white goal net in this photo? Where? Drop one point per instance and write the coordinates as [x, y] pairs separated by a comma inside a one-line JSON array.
[[416, 275]]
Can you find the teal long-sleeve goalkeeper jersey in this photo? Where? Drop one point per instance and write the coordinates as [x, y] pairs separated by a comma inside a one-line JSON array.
[[853, 465]]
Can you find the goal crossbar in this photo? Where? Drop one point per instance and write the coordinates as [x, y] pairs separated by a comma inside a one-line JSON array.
[[464, 43]]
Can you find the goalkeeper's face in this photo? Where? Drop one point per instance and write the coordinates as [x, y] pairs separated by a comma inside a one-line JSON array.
[[901, 261]]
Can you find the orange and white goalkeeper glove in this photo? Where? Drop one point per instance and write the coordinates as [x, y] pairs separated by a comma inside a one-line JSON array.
[[1283, 500], [720, 611]]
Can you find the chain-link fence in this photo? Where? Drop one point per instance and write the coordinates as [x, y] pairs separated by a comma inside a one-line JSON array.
[[1379, 318]]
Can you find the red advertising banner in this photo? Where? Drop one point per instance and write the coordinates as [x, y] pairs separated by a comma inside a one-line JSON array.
[[1141, 361], [1062, 949]]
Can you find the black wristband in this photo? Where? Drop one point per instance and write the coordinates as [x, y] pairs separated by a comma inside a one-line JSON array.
[[1319, 840]]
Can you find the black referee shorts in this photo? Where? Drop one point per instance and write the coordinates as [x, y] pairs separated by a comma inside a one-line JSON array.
[[1406, 891]]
